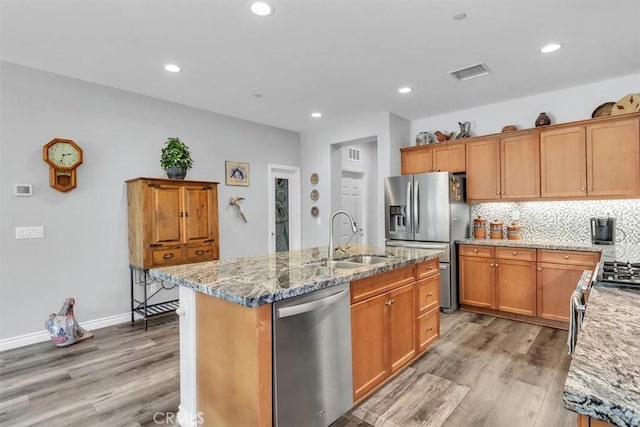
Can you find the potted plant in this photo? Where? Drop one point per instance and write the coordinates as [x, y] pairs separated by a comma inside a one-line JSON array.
[[176, 158]]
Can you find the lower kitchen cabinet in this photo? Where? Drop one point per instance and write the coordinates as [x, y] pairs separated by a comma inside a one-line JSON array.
[[558, 274], [370, 344], [585, 421], [516, 286], [521, 283], [393, 320], [477, 281], [402, 348]]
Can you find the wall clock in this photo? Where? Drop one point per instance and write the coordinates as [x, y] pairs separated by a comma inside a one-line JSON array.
[[63, 157]]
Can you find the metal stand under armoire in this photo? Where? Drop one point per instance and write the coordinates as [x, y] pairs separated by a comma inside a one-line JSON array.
[[140, 277]]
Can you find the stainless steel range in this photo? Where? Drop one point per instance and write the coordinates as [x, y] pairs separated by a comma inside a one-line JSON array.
[[620, 273]]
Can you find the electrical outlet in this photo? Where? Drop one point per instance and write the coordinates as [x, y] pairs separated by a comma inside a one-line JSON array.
[[318, 221], [36, 232], [515, 215]]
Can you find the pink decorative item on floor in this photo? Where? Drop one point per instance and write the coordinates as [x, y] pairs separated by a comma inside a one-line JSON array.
[[64, 328]]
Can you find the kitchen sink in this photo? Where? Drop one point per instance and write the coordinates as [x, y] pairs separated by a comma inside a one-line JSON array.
[[337, 264], [368, 259]]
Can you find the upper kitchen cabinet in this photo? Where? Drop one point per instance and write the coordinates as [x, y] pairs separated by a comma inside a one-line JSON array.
[[600, 159], [440, 157], [172, 222], [563, 162], [613, 158], [504, 168]]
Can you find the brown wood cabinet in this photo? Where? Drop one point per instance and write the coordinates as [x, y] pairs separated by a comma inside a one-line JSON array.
[[585, 421], [171, 222], [521, 283], [498, 278], [449, 157], [601, 159], [613, 158], [558, 273], [504, 168], [393, 320]]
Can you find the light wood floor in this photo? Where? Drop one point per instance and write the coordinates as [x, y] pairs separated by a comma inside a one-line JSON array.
[[512, 374]]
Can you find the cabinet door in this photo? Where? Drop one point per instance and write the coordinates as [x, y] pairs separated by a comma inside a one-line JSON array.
[[563, 162], [449, 158], [417, 160], [402, 324], [198, 218], [477, 282], [516, 286], [370, 344], [613, 158], [483, 170], [520, 167], [555, 285], [165, 216]]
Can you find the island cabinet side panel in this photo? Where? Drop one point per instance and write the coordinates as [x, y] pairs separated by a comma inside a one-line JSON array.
[[234, 365]]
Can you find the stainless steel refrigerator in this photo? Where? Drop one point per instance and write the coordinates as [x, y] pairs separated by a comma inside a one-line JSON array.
[[429, 211]]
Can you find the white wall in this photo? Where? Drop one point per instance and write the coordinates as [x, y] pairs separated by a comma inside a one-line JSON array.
[[84, 253], [316, 157], [565, 105]]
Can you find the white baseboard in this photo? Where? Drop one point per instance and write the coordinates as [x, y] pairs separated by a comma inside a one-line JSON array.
[[41, 336]]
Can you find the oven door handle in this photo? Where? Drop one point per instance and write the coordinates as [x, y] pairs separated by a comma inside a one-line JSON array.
[[577, 305]]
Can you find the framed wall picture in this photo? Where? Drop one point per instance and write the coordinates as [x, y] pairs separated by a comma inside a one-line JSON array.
[[237, 173]]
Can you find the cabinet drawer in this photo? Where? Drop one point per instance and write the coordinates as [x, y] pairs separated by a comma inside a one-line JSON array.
[[380, 283], [166, 256], [589, 259], [428, 326], [522, 254], [427, 268], [473, 250], [428, 294], [200, 252]]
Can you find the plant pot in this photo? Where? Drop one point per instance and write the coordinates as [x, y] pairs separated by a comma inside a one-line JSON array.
[[176, 173]]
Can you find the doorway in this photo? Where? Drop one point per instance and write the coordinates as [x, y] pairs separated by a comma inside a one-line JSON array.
[[354, 200], [284, 231]]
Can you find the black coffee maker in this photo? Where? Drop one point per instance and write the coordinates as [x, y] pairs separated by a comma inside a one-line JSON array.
[[603, 230]]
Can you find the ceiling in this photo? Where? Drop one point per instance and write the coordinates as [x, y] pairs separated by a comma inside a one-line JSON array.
[[344, 58]]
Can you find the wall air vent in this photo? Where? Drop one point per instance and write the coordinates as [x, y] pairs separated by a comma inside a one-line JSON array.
[[470, 72], [354, 154]]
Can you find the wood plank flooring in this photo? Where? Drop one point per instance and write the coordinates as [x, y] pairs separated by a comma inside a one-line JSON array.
[[484, 371]]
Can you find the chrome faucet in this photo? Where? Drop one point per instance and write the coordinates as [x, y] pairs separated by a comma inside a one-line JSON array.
[[354, 228]]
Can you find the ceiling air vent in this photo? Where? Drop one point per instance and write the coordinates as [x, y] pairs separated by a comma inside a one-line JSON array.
[[470, 72]]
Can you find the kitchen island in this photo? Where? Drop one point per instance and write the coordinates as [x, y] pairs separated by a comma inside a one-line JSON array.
[[226, 324], [604, 377]]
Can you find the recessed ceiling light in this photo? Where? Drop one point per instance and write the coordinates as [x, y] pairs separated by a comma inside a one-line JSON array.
[[459, 16], [551, 47], [261, 8], [316, 115], [405, 89], [172, 68], [257, 95]]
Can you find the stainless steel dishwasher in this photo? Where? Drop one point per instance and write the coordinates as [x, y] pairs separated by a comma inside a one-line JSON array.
[[312, 383]]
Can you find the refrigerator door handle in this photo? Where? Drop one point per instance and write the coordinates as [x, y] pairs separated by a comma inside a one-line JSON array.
[[409, 223], [416, 207]]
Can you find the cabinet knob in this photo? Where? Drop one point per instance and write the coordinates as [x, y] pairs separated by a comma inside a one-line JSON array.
[[475, 251], [496, 265], [430, 329], [566, 257], [429, 268], [430, 294], [539, 268], [497, 192], [167, 256], [490, 264], [515, 253], [582, 189], [502, 192], [590, 188]]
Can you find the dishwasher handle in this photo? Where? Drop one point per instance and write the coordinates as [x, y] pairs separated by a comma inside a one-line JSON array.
[[311, 305]]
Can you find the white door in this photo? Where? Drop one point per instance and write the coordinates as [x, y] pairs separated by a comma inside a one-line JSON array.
[[284, 208], [354, 202]]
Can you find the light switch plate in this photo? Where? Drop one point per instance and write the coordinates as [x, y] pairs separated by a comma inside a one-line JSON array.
[[36, 232], [23, 190]]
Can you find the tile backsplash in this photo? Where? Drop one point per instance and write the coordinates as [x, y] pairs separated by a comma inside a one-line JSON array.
[[565, 220]]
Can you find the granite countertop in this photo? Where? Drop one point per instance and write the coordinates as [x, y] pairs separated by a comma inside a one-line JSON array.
[[620, 251], [604, 377], [263, 279]]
